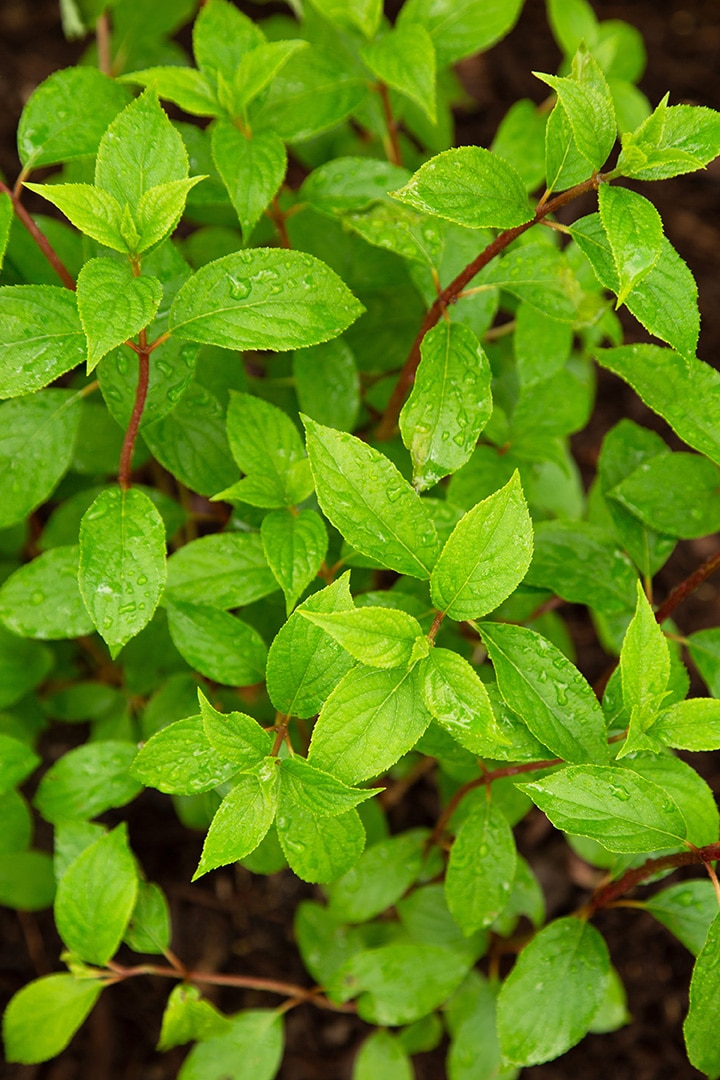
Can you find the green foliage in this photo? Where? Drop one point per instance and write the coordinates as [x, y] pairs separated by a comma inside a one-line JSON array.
[[338, 404]]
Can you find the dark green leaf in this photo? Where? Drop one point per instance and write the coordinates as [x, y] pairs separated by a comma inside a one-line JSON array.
[[23, 664], [460, 28], [42, 337], [582, 564], [42, 599], [149, 927], [319, 848], [17, 761], [700, 1029], [382, 1057], [187, 1017], [252, 169], [225, 570], [383, 873], [253, 1045], [327, 384], [190, 442], [404, 59], [27, 881], [687, 910], [693, 511]]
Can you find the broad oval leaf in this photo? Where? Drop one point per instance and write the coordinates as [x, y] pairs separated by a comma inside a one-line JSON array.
[[42, 599], [217, 644], [481, 868], [252, 1043], [62, 1001], [42, 337], [457, 699], [263, 299], [319, 848], [241, 820], [224, 570], [295, 546], [180, 760], [88, 780], [114, 305]]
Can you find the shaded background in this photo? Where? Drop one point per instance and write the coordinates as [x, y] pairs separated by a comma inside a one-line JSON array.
[[235, 922]]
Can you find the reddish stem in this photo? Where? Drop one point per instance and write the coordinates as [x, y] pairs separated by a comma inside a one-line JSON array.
[[607, 894], [683, 590], [134, 425], [102, 37], [40, 239], [394, 152], [451, 294]]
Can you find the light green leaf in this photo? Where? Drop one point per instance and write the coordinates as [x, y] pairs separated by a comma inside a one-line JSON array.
[[635, 233], [675, 139], [583, 564], [687, 910], [683, 390], [644, 671], [18, 823], [241, 820], [67, 115], [316, 791], [369, 502], [88, 780], [617, 807], [92, 210], [694, 510], [179, 760], [122, 564], [62, 1001], [404, 59], [327, 384], [481, 867], [252, 169], [540, 275], [267, 447], [149, 928], [304, 664], [183, 86], [263, 299], [96, 896], [686, 789], [236, 737], [160, 209], [382, 1057], [457, 699], [689, 725], [37, 438], [42, 599], [217, 644], [224, 570], [449, 405], [565, 166], [460, 28], [396, 228], [486, 557], [376, 636], [520, 141], [363, 15], [17, 761], [470, 186], [547, 691], [370, 720], [252, 1045], [588, 104], [699, 1027], [383, 873], [572, 22], [295, 546], [42, 337], [550, 997], [188, 1017], [258, 68], [319, 848], [114, 305]]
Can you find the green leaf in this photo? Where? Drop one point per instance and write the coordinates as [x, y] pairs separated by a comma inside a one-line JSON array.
[[42, 599], [149, 928], [582, 563], [241, 820], [140, 150], [222, 35], [217, 644], [122, 564], [37, 437], [665, 300], [565, 166], [236, 737], [486, 557], [572, 22], [267, 447], [449, 405], [160, 209], [520, 140], [549, 999], [258, 68], [304, 664], [295, 546], [363, 15], [88, 780], [252, 169], [183, 86], [23, 664], [114, 305], [62, 1001], [635, 234], [316, 791], [224, 570], [686, 910], [544, 688], [688, 725], [252, 1045], [644, 671], [699, 1028], [27, 881], [319, 848], [470, 186], [460, 28], [471, 1018], [180, 760], [17, 761], [399, 983], [42, 337], [457, 699], [674, 140], [541, 276], [382, 1057], [7, 212], [683, 390], [481, 867], [694, 510], [16, 817], [398, 228], [704, 648], [616, 807], [376, 636], [67, 115], [188, 1017], [369, 502], [350, 183], [404, 59], [370, 720], [383, 873], [92, 210], [327, 384], [686, 789], [263, 299], [96, 896], [588, 104]]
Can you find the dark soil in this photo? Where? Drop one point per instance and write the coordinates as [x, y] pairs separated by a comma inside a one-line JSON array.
[[236, 922]]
